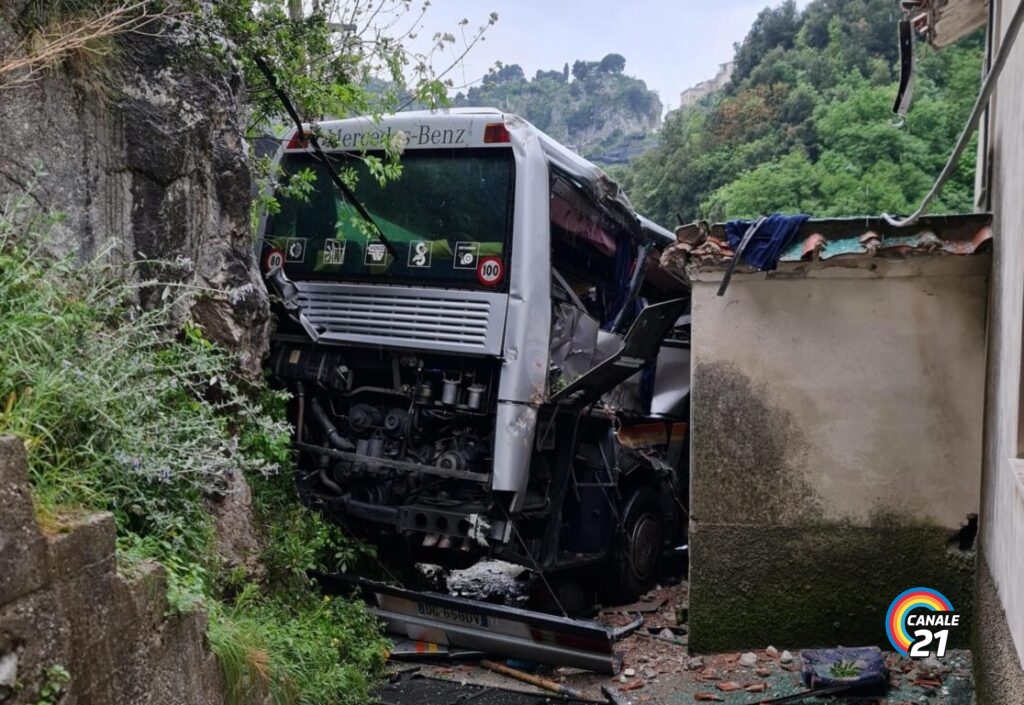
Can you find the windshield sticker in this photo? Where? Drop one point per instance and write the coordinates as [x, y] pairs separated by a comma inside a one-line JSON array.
[[273, 260], [466, 255], [491, 271], [419, 254], [376, 253], [334, 252], [295, 249]]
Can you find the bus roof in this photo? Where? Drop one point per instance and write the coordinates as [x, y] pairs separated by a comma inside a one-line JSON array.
[[476, 127]]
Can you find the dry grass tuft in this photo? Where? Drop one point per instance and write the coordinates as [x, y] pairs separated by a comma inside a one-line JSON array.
[[82, 35]]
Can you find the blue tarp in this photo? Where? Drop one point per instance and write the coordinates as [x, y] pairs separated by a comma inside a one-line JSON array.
[[772, 238]]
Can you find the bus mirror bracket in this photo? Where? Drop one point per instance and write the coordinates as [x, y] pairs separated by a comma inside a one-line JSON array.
[[285, 289]]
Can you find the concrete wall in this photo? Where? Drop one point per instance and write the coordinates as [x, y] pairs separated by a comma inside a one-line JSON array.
[[1002, 525], [998, 675], [63, 603], [836, 446]]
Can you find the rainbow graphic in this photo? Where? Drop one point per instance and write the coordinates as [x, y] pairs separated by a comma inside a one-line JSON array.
[[904, 604]]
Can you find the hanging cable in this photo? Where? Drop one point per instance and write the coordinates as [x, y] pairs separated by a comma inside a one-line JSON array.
[[980, 105], [536, 566]]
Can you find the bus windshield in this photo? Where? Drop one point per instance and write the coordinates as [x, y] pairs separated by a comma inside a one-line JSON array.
[[448, 215]]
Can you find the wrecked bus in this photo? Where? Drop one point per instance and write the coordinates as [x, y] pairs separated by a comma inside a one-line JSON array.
[[498, 366]]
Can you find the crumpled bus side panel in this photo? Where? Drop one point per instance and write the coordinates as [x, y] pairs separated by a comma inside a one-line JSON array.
[[528, 323]]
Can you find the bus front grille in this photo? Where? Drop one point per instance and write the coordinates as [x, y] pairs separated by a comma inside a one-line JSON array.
[[434, 319]]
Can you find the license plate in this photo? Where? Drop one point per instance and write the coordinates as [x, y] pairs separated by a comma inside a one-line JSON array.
[[452, 615]]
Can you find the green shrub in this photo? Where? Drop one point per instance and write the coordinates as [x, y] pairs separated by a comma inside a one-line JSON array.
[[302, 648], [132, 411], [118, 410]]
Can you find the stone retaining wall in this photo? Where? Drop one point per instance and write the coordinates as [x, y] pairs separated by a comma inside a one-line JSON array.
[[64, 605]]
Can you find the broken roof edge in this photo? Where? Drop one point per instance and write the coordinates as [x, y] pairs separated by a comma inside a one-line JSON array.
[[859, 268], [702, 246], [944, 22]]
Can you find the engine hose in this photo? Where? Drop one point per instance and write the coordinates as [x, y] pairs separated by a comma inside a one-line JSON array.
[[328, 482], [333, 437]]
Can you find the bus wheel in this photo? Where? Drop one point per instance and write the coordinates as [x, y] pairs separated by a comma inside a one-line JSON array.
[[636, 547]]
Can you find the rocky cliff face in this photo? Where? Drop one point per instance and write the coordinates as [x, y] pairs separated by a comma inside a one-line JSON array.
[[142, 150]]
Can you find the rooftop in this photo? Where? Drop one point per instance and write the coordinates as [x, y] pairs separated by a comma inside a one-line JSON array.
[[703, 246]]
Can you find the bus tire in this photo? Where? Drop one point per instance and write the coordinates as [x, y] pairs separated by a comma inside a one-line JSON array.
[[636, 547]]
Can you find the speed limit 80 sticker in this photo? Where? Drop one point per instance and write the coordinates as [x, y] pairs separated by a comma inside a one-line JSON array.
[[490, 271], [272, 260]]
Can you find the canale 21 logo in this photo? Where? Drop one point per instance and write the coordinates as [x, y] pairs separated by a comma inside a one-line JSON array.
[[918, 622]]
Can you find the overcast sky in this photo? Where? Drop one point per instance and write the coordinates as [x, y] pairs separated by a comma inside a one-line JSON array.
[[670, 44]]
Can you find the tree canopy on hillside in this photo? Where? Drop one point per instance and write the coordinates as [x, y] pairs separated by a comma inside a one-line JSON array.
[[594, 107], [805, 123]]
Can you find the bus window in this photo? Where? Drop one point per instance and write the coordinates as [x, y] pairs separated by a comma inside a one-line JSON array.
[[449, 210], [592, 255]]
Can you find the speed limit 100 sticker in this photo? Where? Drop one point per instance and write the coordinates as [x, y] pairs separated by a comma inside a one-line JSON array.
[[490, 271]]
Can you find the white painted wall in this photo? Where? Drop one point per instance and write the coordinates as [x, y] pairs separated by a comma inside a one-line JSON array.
[[1002, 537], [881, 367]]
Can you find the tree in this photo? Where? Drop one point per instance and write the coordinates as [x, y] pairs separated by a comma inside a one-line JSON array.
[[773, 27], [338, 60], [326, 58], [580, 70], [805, 123], [604, 114], [612, 63], [507, 73], [779, 185], [549, 76]]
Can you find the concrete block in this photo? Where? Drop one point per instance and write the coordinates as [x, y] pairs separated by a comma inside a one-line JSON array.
[[34, 629], [22, 548], [89, 543]]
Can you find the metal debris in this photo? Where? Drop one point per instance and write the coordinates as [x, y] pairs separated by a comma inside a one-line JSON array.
[[471, 624], [614, 696], [542, 683], [622, 632]]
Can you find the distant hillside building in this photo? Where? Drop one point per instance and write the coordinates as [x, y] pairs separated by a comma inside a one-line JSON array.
[[704, 88]]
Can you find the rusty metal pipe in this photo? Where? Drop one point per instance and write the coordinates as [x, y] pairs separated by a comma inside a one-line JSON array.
[[544, 683], [300, 395]]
